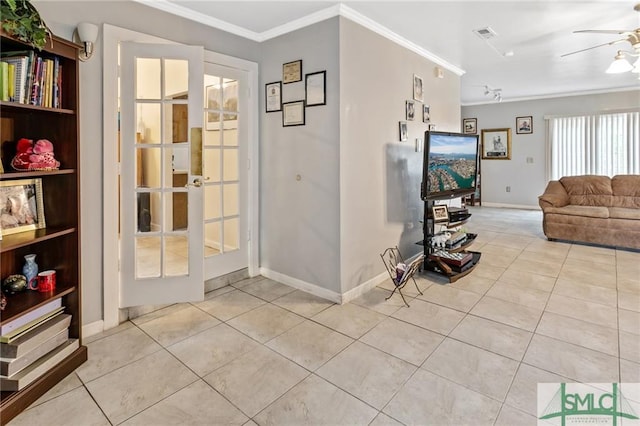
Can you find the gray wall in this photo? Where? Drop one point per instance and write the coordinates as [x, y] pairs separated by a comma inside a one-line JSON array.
[[380, 177], [528, 180], [299, 220], [62, 18]]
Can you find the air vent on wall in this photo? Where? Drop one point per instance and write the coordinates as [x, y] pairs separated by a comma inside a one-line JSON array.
[[485, 33]]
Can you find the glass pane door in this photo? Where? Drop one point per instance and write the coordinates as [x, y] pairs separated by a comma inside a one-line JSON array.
[[161, 188]]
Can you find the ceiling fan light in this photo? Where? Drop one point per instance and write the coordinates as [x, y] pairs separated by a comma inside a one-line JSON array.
[[619, 65]]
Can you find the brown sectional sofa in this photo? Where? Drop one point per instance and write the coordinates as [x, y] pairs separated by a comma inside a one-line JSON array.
[[593, 209]]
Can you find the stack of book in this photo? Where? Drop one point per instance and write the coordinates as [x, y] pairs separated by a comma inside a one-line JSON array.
[[28, 78], [456, 260], [33, 343]]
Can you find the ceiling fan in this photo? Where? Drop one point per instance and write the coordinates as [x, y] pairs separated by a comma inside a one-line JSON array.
[[631, 36]]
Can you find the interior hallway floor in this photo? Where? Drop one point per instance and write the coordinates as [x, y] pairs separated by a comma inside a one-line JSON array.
[[472, 352]]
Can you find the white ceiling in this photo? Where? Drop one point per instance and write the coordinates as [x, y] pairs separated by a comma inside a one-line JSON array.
[[537, 32]]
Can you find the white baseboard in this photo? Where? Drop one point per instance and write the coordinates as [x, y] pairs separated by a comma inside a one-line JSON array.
[[511, 206], [92, 328], [301, 285], [361, 289]]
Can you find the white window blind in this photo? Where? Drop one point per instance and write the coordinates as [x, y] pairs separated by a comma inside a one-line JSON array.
[[599, 144]]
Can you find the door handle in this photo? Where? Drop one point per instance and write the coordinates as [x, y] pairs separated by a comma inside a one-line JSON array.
[[197, 182]]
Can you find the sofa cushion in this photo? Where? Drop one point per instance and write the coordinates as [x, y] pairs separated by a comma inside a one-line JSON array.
[[626, 191], [624, 213], [584, 211], [588, 190]]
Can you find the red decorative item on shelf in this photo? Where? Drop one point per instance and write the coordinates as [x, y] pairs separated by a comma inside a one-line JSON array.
[[31, 157]]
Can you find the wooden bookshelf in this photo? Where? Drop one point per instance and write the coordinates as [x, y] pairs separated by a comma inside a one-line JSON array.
[[57, 246]]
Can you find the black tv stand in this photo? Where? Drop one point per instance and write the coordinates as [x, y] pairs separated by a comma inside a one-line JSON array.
[[438, 259]]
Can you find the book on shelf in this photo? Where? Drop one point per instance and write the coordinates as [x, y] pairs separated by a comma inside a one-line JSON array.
[[36, 80], [27, 375], [29, 317], [10, 366], [4, 81], [35, 337], [21, 64]]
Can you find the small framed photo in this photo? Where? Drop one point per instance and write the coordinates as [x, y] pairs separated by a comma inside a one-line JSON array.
[[410, 110], [273, 96], [293, 114], [315, 89], [404, 134], [21, 205], [426, 114], [524, 125], [292, 72], [418, 94], [440, 213], [496, 144], [470, 126]]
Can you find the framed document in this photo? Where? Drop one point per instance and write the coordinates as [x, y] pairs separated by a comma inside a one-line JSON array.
[[293, 114], [315, 88], [273, 96], [292, 72]]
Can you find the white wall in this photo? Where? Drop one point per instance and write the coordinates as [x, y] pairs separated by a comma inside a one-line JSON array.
[[299, 219], [62, 17], [528, 180], [380, 177]]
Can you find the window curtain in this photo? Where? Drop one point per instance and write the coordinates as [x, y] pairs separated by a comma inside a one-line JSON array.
[[600, 144]]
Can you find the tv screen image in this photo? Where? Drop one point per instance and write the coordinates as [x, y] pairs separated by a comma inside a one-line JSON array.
[[450, 165]]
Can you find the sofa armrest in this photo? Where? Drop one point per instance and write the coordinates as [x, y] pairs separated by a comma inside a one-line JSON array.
[[554, 196]]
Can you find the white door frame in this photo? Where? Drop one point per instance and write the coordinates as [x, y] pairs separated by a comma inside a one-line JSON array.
[[112, 36]]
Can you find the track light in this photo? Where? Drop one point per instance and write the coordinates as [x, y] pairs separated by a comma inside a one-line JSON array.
[[496, 93]]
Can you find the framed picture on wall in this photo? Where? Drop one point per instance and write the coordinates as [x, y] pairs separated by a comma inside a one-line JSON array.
[[293, 114], [315, 89], [524, 125], [404, 133], [292, 72], [273, 96], [418, 94], [426, 114], [470, 126], [410, 110], [496, 144]]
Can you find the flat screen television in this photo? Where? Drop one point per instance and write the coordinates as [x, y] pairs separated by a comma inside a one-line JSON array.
[[450, 165]]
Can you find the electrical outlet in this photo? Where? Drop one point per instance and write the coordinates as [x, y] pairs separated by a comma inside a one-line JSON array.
[[529, 160], [508, 189]]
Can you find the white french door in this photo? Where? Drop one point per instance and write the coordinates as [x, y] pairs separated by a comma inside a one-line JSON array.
[[161, 188], [225, 152]]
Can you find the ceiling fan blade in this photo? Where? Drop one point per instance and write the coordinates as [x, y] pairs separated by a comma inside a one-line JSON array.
[[594, 47], [606, 31]]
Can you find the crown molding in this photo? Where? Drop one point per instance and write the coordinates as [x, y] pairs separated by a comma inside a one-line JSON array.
[[337, 10], [352, 15], [183, 12], [305, 21]]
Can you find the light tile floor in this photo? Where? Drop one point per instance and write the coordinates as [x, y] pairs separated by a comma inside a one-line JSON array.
[[472, 352]]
